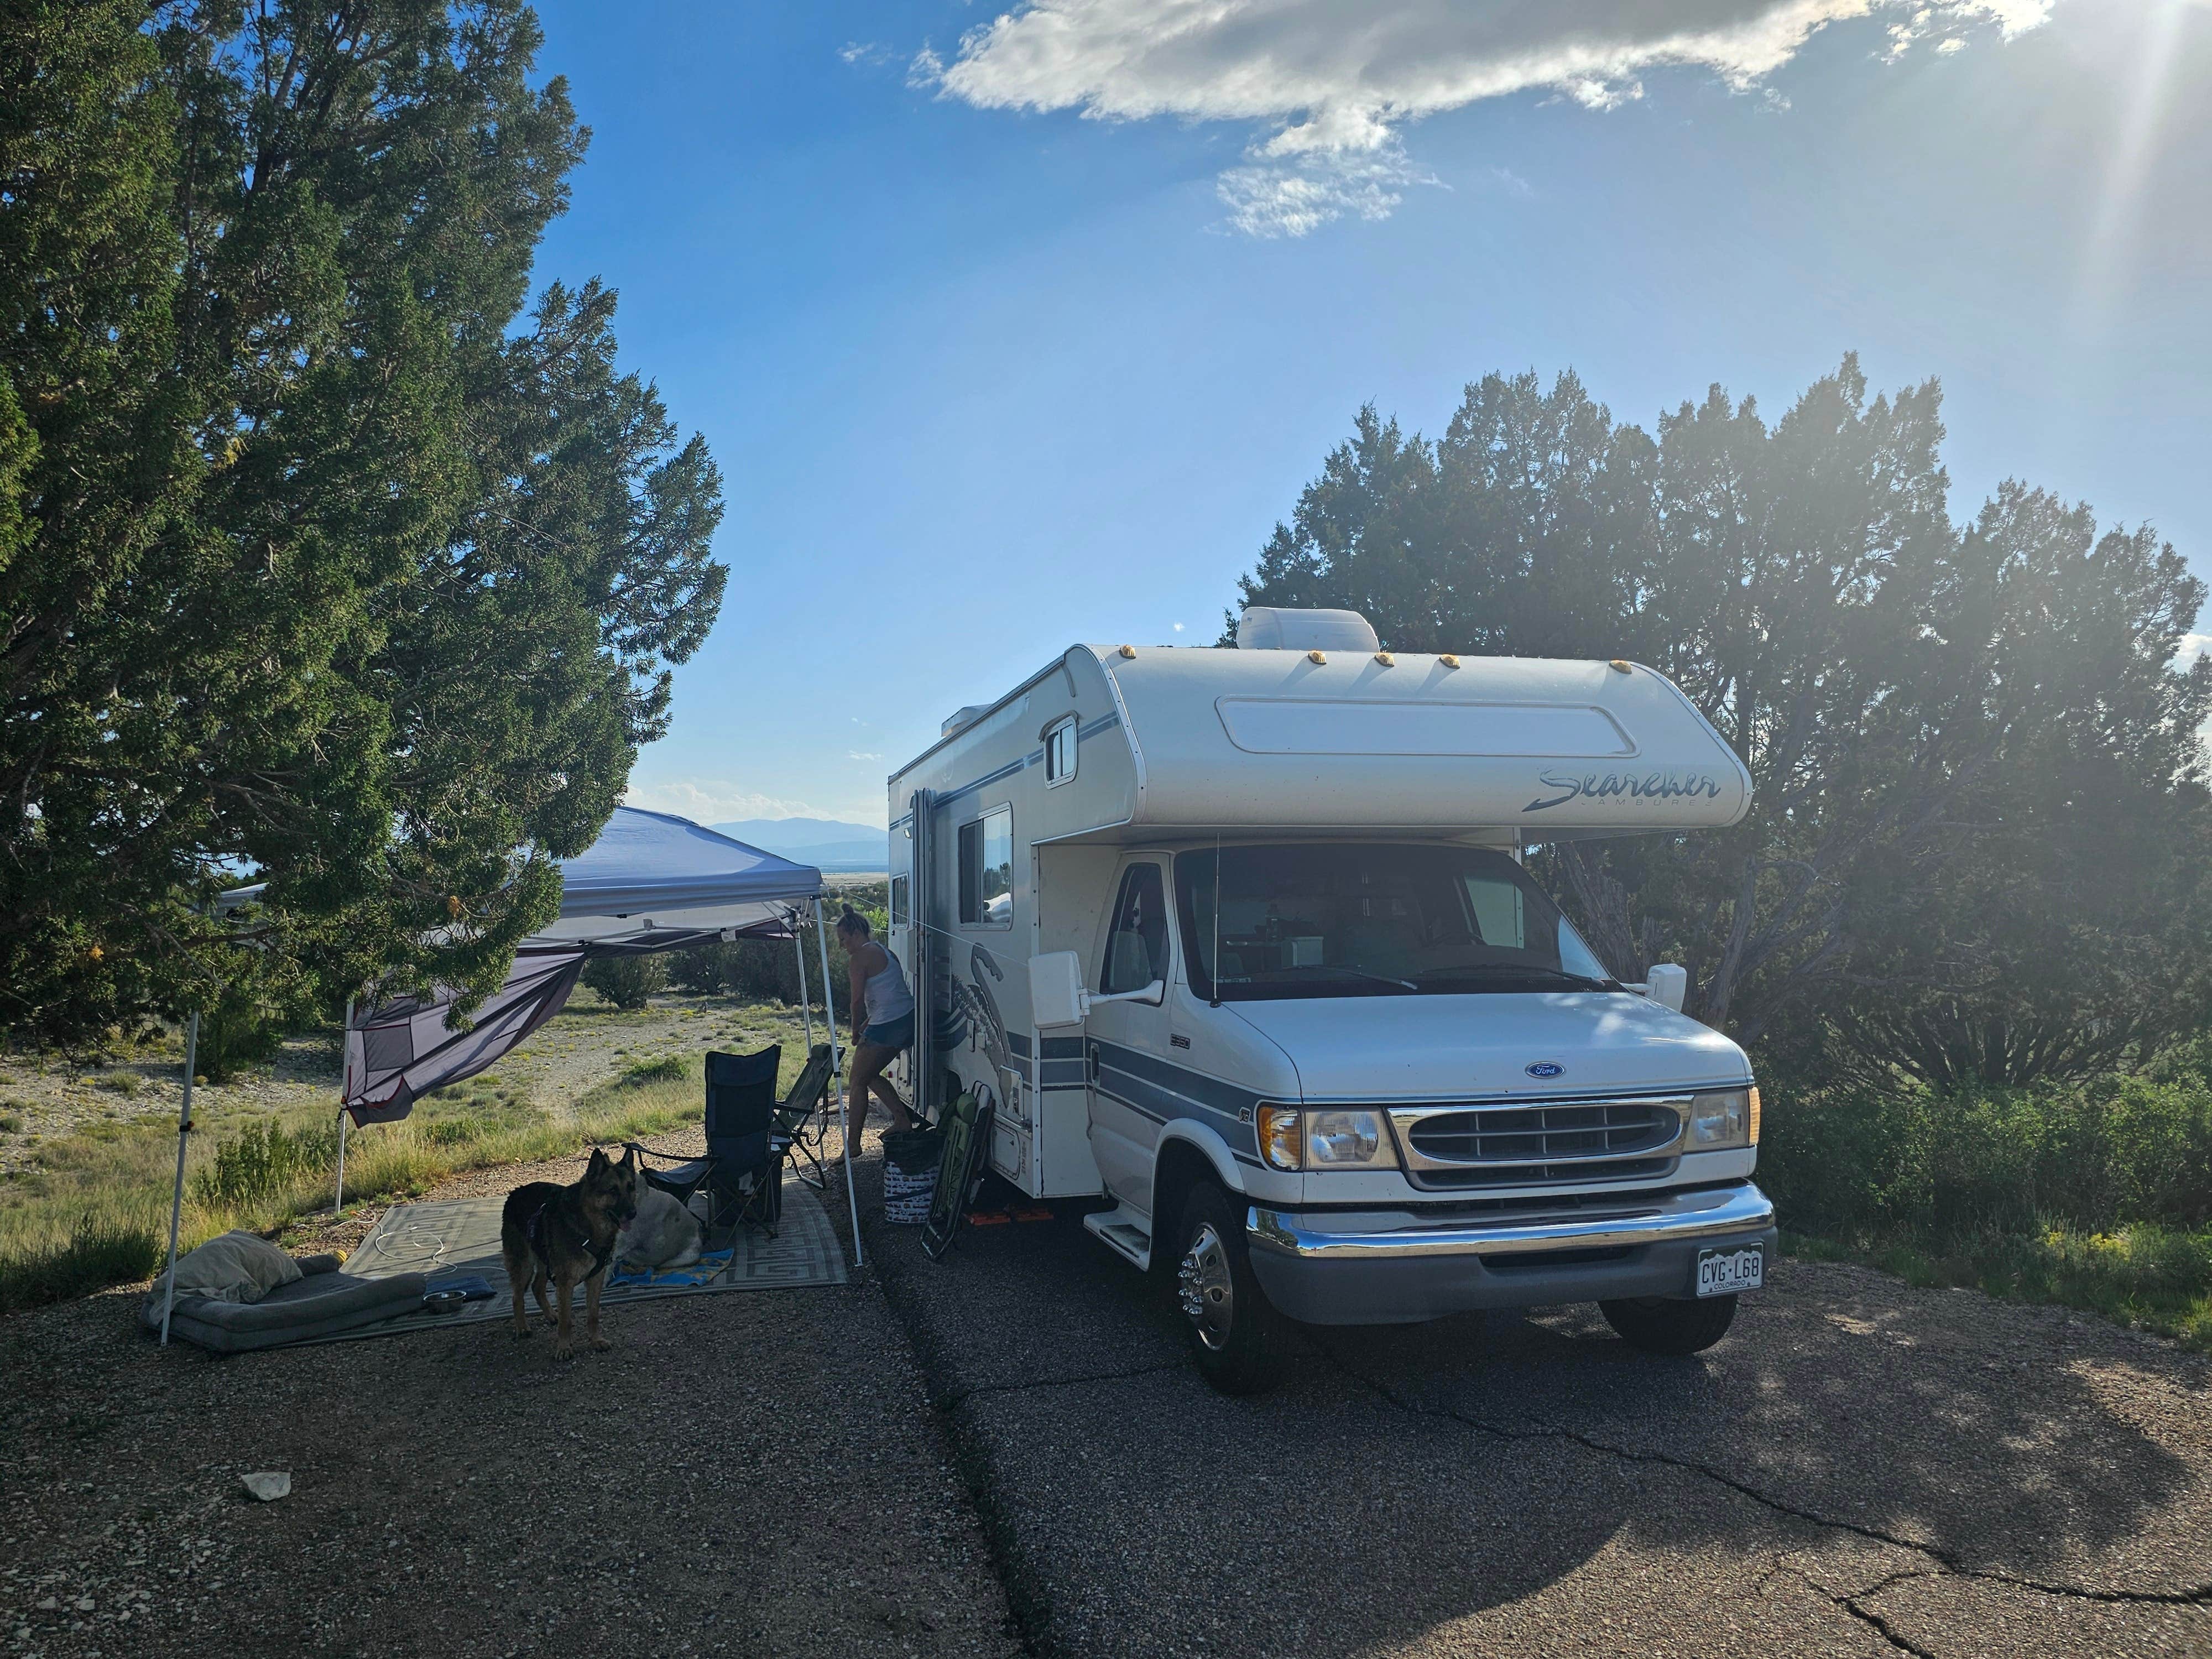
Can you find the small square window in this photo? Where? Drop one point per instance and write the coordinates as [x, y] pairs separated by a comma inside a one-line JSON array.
[[1059, 753]]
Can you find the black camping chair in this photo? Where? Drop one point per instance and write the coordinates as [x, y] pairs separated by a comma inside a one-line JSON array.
[[796, 1119], [749, 1134], [739, 1174]]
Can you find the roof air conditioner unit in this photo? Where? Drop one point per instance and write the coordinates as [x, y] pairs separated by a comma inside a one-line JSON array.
[[960, 718], [1266, 628]]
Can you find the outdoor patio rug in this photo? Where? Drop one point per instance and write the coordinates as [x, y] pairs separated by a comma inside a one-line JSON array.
[[457, 1238]]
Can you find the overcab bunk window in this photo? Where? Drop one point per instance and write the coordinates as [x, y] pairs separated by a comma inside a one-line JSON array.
[[1059, 753], [987, 869]]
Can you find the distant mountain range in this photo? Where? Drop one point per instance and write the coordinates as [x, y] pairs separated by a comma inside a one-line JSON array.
[[825, 843]]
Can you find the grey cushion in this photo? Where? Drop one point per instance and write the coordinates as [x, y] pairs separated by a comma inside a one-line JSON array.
[[320, 1304]]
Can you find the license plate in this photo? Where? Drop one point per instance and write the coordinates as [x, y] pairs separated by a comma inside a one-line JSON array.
[[1725, 1272]]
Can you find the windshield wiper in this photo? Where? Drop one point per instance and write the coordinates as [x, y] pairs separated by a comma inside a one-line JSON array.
[[1580, 981], [1339, 969]]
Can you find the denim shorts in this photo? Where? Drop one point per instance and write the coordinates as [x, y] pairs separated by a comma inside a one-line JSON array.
[[892, 1033]]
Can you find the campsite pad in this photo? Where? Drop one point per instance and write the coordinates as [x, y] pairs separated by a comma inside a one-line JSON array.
[[456, 1237]]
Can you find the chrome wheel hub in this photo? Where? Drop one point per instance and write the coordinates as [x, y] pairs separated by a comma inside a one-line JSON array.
[[1207, 1293]]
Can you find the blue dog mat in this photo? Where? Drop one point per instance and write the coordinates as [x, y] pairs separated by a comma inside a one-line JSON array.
[[710, 1265]]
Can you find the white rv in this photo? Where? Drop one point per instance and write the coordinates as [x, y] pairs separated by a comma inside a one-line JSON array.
[[1239, 940]]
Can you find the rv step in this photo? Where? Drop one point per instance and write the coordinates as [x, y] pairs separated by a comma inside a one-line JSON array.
[[1124, 1233]]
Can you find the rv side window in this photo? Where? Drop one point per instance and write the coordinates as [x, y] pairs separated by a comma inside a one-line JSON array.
[[898, 918], [987, 869], [1137, 942], [1059, 753]]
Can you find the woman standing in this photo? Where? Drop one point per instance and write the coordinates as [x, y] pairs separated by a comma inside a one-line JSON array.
[[883, 1023]]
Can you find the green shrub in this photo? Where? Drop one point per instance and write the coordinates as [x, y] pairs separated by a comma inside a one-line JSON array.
[[768, 969], [2111, 1152], [95, 1255], [240, 1031], [627, 982], [669, 1068], [262, 1161]]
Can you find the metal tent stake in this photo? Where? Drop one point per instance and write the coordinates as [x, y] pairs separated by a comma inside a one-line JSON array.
[[176, 1198], [837, 1080]]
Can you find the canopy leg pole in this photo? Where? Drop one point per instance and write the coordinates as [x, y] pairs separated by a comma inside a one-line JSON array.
[[806, 999], [837, 1081], [176, 1198], [337, 1203]]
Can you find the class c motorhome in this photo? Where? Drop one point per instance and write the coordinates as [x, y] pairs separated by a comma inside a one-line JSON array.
[[1239, 940]]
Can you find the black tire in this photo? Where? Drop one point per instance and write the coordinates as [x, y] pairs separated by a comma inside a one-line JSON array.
[[1662, 1324], [1235, 1335]]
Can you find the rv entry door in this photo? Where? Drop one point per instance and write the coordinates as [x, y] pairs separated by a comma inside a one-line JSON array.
[[1126, 1043]]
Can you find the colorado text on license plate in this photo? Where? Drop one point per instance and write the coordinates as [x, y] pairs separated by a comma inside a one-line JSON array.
[[1724, 1272]]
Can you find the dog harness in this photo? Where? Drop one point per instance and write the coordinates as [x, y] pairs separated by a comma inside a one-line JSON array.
[[534, 1231]]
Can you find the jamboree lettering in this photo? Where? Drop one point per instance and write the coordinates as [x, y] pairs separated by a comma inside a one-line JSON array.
[[1645, 786]]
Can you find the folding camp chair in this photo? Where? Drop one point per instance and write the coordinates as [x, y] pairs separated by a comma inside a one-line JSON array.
[[748, 1134], [740, 1174], [795, 1119]]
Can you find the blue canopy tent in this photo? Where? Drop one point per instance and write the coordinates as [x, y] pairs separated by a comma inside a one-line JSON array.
[[651, 882]]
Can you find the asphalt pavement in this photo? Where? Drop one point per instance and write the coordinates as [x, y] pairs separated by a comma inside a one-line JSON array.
[[1861, 1468]]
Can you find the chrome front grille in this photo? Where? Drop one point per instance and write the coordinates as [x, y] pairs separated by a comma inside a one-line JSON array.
[[1462, 1147]]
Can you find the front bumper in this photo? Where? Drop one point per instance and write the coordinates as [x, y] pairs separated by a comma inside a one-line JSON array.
[[1381, 1268]]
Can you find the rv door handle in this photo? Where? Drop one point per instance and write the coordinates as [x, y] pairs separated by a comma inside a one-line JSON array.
[[1091, 1050]]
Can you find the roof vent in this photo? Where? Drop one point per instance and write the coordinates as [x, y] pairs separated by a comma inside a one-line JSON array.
[[960, 718], [1266, 628]]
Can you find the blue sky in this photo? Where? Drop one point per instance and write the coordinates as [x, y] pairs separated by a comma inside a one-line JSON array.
[[1010, 335]]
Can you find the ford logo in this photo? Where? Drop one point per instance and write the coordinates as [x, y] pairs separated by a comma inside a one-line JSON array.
[[1545, 1068]]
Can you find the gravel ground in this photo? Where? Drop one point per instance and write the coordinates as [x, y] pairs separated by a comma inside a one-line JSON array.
[[1860, 1468], [758, 1472]]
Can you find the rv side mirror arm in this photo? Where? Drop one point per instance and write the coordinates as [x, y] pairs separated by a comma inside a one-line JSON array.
[[1059, 998]]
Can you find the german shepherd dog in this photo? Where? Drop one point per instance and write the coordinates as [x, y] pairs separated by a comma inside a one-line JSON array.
[[555, 1234]]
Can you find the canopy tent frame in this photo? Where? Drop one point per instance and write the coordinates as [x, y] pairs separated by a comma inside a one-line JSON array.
[[705, 886]]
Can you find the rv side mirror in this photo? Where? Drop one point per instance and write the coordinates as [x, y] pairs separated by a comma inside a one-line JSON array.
[[1668, 985], [1056, 988]]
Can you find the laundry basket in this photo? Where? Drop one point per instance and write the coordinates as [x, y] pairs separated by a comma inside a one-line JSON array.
[[910, 1162]]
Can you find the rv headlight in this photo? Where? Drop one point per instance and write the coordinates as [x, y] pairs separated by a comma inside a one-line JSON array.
[[1349, 1141], [1278, 1136], [1724, 1119]]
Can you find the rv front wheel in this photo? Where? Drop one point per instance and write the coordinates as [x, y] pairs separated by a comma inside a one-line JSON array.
[[1659, 1324], [1235, 1335]]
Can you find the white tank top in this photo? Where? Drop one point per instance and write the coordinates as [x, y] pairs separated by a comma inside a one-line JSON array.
[[887, 995]]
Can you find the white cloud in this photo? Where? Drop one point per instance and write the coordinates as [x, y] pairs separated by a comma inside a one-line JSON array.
[[861, 754], [2193, 645], [1178, 628], [1332, 82], [869, 52], [1293, 195]]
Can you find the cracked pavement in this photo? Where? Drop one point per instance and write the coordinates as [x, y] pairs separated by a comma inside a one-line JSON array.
[[1861, 1468]]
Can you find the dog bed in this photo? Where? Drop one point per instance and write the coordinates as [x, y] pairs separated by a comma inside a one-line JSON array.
[[320, 1304]]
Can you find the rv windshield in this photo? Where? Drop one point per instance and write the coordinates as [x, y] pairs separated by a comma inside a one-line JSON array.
[[1373, 919]]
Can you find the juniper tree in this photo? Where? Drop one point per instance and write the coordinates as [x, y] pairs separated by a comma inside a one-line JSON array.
[[1977, 845], [326, 555]]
